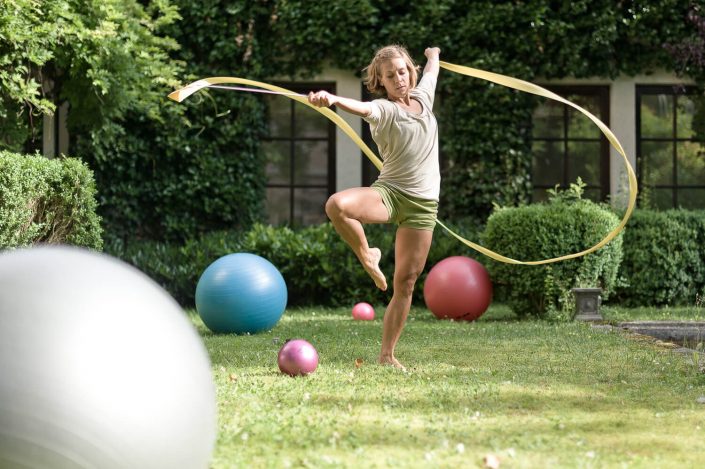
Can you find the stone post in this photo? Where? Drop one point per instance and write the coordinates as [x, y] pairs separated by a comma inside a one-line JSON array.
[[587, 304]]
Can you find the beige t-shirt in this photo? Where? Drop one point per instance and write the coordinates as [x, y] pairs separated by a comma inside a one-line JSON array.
[[408, 142]]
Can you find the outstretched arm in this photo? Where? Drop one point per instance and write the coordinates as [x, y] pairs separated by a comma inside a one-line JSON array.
[[353, 106], [432, 65]]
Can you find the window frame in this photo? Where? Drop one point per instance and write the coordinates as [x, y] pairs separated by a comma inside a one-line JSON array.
[[304, 87], [674, 90], [602, 93]]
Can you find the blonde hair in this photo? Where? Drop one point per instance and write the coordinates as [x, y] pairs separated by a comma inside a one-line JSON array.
[[373, 73]]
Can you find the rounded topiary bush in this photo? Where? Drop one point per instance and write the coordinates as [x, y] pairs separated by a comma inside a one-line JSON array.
[[549, 230]]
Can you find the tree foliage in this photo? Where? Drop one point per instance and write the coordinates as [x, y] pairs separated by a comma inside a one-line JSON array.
[[104, 57]]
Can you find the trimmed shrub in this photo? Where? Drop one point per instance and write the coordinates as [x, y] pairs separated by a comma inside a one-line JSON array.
[[47, 201], [663, 258], [543, 231], [694, 255]]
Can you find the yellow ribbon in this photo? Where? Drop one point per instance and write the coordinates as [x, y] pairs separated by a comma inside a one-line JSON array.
[[509, 82]]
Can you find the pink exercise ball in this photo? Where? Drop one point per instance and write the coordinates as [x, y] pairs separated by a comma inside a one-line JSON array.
[[458, 288], [297, 357], [363, 312]]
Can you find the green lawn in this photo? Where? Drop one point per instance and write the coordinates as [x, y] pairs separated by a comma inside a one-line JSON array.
[[534, 394], [681, 313]]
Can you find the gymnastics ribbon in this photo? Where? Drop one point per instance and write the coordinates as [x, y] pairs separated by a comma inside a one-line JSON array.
[[509, 82]]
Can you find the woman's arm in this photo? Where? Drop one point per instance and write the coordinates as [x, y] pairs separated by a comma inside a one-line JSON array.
[[353, 106], [432, 66]]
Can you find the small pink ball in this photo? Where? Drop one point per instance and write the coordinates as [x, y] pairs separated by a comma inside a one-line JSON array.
[[297, 357], [363, 312]]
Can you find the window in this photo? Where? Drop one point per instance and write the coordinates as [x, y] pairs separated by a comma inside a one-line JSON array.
[[670, 162], [300, 158], [567, 144]]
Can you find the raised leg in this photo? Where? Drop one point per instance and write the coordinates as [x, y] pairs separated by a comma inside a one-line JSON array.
[[348, 210]]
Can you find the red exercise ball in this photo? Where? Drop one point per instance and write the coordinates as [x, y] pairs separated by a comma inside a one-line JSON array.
[[458, 288], [363, 312]]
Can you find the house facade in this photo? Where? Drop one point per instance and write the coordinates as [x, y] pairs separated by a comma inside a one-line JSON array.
[[651, 115], [309, 158]]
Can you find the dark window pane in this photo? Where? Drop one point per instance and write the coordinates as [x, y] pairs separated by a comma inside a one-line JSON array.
[[657, 116], [684, 119], [691, 163], [657, 163], [309, 206], [548, 120], [277, 205], [311, 163], [692, 199], [310, 123], [579, 125], [593, 194], [584, 161], [278, 161], [662, 198], [539, 195], [547, 167], [279, 116]]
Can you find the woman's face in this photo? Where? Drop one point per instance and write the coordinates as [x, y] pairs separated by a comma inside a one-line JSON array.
[[395, 78]]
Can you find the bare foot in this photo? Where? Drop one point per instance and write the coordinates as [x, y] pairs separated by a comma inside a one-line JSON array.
[[371, 265], [390, 360]]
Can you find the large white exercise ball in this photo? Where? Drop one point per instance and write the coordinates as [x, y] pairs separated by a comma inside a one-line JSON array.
[[99, 367]]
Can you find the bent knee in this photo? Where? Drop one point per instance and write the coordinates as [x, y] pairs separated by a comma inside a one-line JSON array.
[[333, 206], [337, 206], [404, 283]]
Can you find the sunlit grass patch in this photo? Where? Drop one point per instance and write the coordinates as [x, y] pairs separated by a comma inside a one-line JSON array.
[[533, 393]]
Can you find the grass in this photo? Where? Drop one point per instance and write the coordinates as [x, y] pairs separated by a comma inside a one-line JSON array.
[[534, 394], [679, 313]]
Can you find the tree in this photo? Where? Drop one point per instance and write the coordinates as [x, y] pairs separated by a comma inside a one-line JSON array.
[[689, 56], [103, 57]]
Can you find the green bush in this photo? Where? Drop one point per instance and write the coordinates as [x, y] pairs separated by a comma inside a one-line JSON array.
[[664, 258], [543, 231], [47, 201], [317, 265], [694, 255]]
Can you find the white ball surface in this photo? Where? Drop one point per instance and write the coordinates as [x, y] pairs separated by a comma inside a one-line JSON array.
[[99, 367]]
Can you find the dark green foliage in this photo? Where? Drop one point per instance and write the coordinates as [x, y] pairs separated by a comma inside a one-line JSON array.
[[694, 253], [664, 258], [543, 231], [169, 180], [47, 201], [319, 268]]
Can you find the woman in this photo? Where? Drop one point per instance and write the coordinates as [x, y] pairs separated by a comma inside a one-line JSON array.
[[406, 191]]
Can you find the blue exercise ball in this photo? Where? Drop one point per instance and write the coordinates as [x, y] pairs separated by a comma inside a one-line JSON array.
[[241, 293]]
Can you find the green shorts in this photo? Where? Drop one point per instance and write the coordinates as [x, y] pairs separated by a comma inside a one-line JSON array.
[[406, 210]]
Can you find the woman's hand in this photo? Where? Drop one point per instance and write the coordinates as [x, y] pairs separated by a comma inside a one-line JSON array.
[[321, 98], [432, 52]]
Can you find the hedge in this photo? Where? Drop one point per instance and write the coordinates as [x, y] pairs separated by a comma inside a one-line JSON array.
[[664, 258], [318, 267], [47, 201]]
